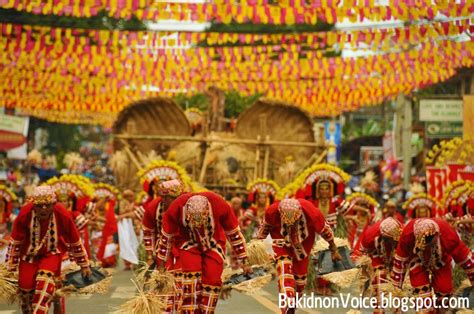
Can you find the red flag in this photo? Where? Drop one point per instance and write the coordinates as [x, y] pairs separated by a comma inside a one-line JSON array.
[[453, 171]]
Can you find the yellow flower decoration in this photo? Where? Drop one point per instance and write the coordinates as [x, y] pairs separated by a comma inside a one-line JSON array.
[[291, 188], [174, 170], [7, 194], [104, 189], [79, 185], [272, 185], [368, 198]]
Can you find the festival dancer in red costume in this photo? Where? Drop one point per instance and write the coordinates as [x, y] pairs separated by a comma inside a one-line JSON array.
[[323, 185], [293, 225], [42, 233], [422, 205], [199, 224], [390, 210], [379, 242], [152, 224], [75, 193], [360, 217], [262, 193], [428, 246], [6, 217]]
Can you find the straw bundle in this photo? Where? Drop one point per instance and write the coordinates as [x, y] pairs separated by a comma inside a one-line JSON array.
[[144, 303], [160, 282], [388, 288], [354, 312], [8, 286], [465, 284], [253, 285], [343, 279], [465, 311], [322, 245], [102, 287], [248, 286], [257, 253]]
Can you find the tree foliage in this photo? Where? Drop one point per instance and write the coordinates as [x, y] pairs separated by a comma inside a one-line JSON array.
[[100, 21], [235, 103]]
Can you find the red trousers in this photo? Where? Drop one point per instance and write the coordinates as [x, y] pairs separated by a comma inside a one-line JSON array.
[[201, 282], [441, 282], [209, 263], [37, 282], [28, 271], [291, 272]]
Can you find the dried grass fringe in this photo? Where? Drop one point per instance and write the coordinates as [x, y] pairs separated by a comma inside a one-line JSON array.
[[322, 245], [257, 253], [143, 303], [343, 279], [464, 284], [8, 286], [249, 286], [101, 287], [160, 283]]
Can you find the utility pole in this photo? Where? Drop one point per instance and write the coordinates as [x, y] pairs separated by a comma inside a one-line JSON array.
[[405, 111]]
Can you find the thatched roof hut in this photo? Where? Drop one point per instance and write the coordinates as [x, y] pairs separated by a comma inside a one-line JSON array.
[[153, 116], [283, 122]]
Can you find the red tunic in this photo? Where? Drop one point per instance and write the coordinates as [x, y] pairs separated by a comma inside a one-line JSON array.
[[337, 206], [451, 248], [225, 225], [152, 224], [371, 244], [56, 236], [303, 233]]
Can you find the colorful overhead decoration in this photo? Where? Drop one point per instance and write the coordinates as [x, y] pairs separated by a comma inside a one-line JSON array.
[[254, 11], [88, 76]]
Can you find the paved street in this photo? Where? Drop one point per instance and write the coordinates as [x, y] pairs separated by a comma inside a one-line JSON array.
[[122, 289]]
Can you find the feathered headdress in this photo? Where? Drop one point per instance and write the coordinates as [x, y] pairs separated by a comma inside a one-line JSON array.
[[456, 195], [360, 198], [79, 187], [420, 200], [106, 190], [163, 170], [268, 187], [304, 186]]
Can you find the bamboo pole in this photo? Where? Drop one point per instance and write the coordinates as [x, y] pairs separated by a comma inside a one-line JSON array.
[[204, 164], [130, 154], [257, 161], [266, 160], [221, 140]]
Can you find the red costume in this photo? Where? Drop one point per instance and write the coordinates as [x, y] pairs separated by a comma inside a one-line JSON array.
[[293, 225], [152, 226], [375, 242], [6, 217], [37, 248], [361, 217], [428, 246], [423, 206], [199, 224], [257, 188]]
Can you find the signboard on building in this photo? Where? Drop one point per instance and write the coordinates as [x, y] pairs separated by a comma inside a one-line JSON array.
[[441, 110], [469, 116], [13, 132], [370, 156], [443, 129]]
